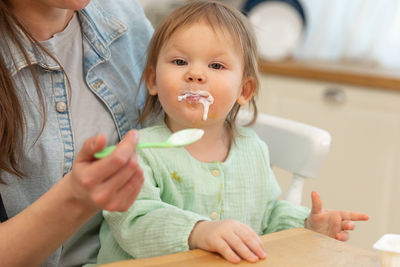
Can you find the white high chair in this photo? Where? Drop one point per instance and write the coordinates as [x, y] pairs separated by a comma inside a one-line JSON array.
[[294, 146]]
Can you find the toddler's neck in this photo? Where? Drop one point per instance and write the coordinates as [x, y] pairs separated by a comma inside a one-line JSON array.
[[213, 146]]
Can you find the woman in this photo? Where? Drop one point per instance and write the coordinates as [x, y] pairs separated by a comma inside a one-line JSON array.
[[69, 69]]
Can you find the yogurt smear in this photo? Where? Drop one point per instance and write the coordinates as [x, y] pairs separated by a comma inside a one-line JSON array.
[[202, 97]]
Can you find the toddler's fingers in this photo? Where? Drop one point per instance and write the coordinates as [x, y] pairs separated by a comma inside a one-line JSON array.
[[348, 225], [225, 250], [252, 241], [354, 216], [342, 236], [241, 248], [359, 216], [316, 203]]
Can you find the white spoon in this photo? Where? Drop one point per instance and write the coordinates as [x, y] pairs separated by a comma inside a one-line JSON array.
[[178, 139]]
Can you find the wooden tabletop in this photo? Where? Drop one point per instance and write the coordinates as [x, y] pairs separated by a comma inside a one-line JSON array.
[[294, 248], [336, 72]]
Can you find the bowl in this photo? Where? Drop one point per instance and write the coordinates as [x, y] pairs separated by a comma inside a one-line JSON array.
[[389, 245]]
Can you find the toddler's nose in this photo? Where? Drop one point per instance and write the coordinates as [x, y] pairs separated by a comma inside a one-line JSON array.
[[195, 77]]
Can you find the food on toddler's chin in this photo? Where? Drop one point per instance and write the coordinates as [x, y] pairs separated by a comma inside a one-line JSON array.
[[202, 97]]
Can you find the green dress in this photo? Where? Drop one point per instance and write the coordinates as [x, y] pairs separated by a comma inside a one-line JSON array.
[[179, 191]]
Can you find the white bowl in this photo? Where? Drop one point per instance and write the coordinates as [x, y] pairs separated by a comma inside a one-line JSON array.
[[389, 245]]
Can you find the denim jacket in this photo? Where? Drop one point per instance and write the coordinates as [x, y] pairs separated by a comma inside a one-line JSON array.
[[115, 38]]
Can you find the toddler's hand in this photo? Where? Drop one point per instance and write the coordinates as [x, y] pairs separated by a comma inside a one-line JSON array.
[[331, 223], [232, 239]]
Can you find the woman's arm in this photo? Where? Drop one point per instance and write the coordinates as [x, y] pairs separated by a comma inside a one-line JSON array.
[[112, 183]]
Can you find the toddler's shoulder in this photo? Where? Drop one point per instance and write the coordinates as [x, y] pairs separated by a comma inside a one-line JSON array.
[[246, 136], [247, 133], [251, 145]]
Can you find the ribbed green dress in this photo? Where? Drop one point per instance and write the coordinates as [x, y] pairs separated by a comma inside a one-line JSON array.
[[179, 191]]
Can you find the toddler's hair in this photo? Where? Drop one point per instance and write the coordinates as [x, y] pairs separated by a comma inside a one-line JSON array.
[[217, 15]]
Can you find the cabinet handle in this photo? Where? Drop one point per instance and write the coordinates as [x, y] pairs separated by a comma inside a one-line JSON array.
[[335, 95]]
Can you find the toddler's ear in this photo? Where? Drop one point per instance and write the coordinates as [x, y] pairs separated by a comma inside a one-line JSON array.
[[247, 91], [151, 82]]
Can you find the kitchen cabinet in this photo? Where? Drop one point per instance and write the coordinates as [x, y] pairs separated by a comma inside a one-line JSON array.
[[362, 170]]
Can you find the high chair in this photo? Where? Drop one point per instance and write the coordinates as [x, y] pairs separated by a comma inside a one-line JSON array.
[[293, 146]]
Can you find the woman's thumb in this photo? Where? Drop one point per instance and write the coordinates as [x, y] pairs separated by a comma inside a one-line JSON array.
[[91, 146]]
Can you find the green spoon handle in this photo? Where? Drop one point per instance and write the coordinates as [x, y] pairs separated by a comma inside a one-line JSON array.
[[107, 151], [153, 145]]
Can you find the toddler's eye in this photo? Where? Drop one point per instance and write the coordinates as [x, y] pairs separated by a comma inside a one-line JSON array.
[[179, 62], [216, 66]]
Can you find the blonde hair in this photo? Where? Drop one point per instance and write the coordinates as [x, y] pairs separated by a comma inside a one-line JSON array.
[[216, 14]]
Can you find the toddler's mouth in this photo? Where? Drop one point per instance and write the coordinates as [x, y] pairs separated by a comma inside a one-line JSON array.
[[202, 97], [196, 96], [189, 96]]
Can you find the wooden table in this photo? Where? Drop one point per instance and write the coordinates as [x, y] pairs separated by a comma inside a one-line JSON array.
[[337, 72], [291, 248]]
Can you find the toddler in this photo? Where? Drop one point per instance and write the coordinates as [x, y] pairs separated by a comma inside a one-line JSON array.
[[218, 194]]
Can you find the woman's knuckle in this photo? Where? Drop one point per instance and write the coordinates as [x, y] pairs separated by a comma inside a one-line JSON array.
[[101, 199], [87, 182], [118, 160], [110, 208], [132, 164], [114, 206], [124, 207], [140, 178]]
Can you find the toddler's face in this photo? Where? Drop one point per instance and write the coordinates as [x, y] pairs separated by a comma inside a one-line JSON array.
[[198, 59]]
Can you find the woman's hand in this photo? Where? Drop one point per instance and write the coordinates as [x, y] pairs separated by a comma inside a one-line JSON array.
[[111, 183], [232, 239], [332, 223]]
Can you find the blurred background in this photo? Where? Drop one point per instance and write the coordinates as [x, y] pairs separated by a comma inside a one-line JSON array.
[[334, 64], [365, 31]]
